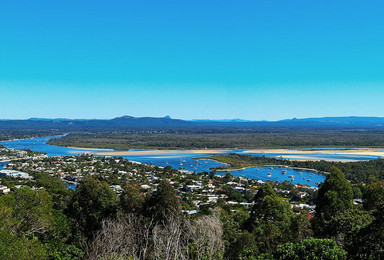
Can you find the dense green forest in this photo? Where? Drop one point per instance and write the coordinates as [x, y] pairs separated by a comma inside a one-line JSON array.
[[93, 222], [224, 138], [11, 134]]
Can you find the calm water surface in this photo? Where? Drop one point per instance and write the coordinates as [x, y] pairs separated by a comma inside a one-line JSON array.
[[187, 161]]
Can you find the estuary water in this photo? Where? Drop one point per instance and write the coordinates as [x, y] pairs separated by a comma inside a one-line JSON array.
[[186, 159]]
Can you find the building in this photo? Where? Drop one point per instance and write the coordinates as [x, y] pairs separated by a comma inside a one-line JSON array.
[[5, 189], [14, 174]]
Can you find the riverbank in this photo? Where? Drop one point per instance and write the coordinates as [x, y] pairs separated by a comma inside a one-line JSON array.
[[305, 154], [104, 152], [267, 165], [237, 162]]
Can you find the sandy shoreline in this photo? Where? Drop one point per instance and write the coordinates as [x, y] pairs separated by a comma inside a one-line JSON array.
[[109, 152], [280, 166], [303, 158], [90, 149], [289, 154], [360, 151]]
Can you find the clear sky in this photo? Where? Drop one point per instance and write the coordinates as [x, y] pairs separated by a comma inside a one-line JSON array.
[[256, 59]]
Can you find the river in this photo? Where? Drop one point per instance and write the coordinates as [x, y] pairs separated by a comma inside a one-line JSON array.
[[185, 159]]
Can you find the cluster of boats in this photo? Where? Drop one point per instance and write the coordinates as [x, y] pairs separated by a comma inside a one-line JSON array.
[[198, 164], [291, 177]]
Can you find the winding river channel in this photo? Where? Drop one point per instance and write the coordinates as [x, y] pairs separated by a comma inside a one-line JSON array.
[[186, 159]]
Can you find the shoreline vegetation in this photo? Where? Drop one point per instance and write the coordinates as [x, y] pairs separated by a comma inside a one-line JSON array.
[[225, 139], [238, 162], [228, 167]]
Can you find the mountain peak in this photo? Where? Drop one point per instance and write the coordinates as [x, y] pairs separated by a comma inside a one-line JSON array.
[[124, 117]]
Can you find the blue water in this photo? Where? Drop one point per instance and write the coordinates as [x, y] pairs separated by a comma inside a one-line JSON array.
[[186, 160], [300, 177], [3, 164], [71, 186], [315, 156], [170, 159]]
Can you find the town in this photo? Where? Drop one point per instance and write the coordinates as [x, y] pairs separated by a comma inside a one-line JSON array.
[[196, 191]]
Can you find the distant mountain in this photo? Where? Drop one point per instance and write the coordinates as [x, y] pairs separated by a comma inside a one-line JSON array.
[[54, 119], [124, 122], [351, 121], [237, 120], [148, 122], [130, 122]]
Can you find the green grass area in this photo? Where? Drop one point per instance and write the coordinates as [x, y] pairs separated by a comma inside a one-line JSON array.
[[232, 162]]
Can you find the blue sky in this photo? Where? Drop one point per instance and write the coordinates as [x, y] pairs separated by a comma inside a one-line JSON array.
[[191, 59]]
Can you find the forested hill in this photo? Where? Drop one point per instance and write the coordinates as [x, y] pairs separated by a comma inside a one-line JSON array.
[[116, 123], [129, 122]]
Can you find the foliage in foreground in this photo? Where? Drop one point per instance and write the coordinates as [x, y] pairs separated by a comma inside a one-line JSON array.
[[94, 223]]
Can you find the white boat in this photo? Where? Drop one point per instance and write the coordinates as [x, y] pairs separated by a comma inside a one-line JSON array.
[[269, 174]]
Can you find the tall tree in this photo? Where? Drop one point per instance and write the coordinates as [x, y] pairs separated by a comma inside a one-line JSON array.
[[373, 195], [311, 248], [26, 211], [163, 202], [13, 247], [131, 201], [368, 243], [270, 219], [334, 197], [92, 202]]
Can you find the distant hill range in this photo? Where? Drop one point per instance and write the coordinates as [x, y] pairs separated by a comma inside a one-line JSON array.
[[129, 122]]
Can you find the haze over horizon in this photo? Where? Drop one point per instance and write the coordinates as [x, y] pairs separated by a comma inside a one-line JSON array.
[[254, 60], [343, 118]]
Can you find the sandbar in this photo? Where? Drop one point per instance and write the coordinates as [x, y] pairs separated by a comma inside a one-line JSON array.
[[91, 149], [362, 151], [105, 152]]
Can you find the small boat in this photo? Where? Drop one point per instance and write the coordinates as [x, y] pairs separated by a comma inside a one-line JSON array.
[[269, 174], [303, 178], [291, 176], [283, 172], [292, 179], [308, 180], [271, 168]]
